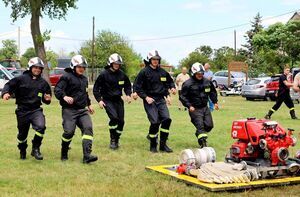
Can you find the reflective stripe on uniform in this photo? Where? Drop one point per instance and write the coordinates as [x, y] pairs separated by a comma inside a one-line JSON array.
[[202, 135], [293, 108], [152, 135], [39, 134], [21, 141], [87, 137], [164, 130], [65, 139], [273, 110], [119, 132], [113, 127]]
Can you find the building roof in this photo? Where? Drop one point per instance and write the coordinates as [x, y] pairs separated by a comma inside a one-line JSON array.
[[296, 16]]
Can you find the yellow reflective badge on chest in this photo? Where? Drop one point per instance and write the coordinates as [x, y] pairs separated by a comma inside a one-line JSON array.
[[163, 79], [121, 82], [40, 94], [207, 89]]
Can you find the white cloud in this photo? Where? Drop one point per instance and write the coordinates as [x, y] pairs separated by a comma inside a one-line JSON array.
[[267, 21], [290, 2], [192, 5]]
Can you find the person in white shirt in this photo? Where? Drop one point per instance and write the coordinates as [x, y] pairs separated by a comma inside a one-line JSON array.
[[180, 79]]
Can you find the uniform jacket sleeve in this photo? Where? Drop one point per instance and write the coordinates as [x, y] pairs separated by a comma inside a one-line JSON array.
[[10, 87], [184, 97], [138, 84], [213, 93], [47, 90], [127, 86], [98, 87], [60, 88], [170, 81]]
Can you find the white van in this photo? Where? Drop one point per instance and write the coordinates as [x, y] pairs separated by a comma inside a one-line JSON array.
[[5, 76]]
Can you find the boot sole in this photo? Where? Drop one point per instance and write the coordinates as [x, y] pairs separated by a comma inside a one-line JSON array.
[[37, 158], [89, 161]]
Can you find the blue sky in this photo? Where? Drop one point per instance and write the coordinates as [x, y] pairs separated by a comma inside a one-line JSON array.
[[138, 20]]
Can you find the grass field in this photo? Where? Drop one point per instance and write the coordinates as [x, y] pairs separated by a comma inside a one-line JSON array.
[[122, 172]]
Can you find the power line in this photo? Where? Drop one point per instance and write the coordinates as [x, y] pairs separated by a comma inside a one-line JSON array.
[[175, 36]]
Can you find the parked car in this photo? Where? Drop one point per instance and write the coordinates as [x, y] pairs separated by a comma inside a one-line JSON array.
[[55, 74], [255, 88], [5, 76], [272, 87], [221, 78], [11, 64], [17, 72]]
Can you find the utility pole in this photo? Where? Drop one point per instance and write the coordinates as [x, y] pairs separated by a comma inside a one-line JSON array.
[[234, 42], [93, 48], [19, 45]]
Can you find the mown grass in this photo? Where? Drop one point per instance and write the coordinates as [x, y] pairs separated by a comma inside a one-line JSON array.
[[122, 172]]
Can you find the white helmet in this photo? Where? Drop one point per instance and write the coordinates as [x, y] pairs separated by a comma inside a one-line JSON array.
[[153, 55], [36, 61], [114, 58], [78, 60], [197, 68]]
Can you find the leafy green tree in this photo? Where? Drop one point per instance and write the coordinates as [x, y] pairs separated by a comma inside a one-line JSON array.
[[36, 9], [277, 45], [9, 49], [107, 43]]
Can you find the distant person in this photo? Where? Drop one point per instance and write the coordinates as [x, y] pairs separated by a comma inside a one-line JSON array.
[[283, 95], [72, 92], [208, 74], [180, 79], [153, 85], [30, 90], [108, 93], [296, 84], [194, 95]]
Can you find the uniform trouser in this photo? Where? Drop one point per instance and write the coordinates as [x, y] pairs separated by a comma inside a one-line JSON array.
[[158, 115], [37, 119], [202, 120], [115, 112], [73, 118], [286, 98]]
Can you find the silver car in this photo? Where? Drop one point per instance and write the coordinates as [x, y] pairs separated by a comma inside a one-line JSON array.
[[221, 78], [255, 88], [5, 76]]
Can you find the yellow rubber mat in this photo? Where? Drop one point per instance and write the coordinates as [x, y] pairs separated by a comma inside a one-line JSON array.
[[170, 170]]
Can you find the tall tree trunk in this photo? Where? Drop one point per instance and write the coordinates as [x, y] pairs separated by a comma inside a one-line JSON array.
[[37, 36]]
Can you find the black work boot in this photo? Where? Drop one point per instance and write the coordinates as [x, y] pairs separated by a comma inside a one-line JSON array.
[[163, 143], [22, 147], [118, 139], [293, 114], [202, 142], [64, 150], [269, 114], [36, 153], [87, 150], [153, 145], [113, 142]]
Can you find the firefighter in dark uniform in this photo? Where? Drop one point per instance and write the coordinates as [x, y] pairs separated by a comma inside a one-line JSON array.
[[108, 91], [71, 91], [152, 85], [195, 93], [30, 90], [283, 95]]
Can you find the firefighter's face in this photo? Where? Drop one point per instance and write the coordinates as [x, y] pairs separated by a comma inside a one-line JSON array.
[[116, 66], [154, 62], [286, 71], [36, 70], [199, 76], [79, 70]]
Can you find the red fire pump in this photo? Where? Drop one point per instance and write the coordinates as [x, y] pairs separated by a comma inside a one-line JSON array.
[[261, 140]]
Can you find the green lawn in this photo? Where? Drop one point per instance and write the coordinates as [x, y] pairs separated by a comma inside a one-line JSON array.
[[122, 172]]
